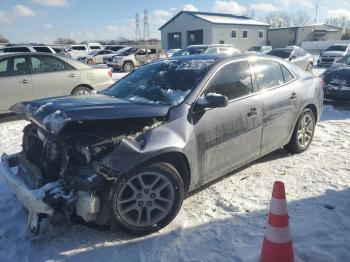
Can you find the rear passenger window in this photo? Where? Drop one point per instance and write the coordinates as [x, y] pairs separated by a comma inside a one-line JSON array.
[[268, 74], [16, 49], [42, 49], [3, 66], [233, 80], [286, 74], [46, 64]]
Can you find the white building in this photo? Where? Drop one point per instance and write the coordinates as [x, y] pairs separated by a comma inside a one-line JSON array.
[[193, 28]]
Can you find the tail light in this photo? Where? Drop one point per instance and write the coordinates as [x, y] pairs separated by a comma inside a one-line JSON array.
[[110, 73], [321, 77]]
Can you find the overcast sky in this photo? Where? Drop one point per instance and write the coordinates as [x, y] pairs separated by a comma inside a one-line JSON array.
[[45, 20]]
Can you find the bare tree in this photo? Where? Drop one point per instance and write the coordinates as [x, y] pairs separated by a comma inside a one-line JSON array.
[[300, 18], [278, 19], [3, 39], [64, 41]]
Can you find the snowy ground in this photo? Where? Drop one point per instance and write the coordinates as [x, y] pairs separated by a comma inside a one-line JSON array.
[[224, 221]]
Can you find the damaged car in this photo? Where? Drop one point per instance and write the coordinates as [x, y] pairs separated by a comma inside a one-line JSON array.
[[126, 157]]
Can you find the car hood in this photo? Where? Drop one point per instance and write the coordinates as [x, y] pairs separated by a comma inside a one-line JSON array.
[[54, 114], [332, 53], [338, 76]]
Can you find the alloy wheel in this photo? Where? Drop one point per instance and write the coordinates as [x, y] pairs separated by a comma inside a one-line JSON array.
[[145, 199], [305, 131]]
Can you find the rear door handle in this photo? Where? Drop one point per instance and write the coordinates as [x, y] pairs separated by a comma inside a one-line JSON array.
[[24, 81], [252, 112], [71, 75], [293, 96]]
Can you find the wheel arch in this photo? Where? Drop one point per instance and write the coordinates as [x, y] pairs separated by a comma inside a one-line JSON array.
[[313, 108], [81, 85], [178, 160]]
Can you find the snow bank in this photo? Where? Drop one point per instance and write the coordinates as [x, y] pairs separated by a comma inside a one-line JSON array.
[[224, 221]]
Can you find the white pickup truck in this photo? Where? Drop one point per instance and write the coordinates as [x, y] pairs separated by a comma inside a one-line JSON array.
[[75, 51]]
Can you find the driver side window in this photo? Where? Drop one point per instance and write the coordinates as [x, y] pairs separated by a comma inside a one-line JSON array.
[[232, 80]]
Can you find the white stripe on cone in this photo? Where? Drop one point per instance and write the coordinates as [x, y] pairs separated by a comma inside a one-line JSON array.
[[278, 206], [277, 235]]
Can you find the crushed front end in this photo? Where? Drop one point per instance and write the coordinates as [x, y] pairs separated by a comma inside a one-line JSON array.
[[64, 173]]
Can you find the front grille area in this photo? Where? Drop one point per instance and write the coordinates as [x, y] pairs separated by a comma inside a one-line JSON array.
[[327, 60]]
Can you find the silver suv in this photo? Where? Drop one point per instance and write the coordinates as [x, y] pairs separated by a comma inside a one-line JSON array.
[[130, 57], [333, 53]]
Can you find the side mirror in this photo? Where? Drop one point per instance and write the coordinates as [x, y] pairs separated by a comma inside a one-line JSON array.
[[211, 100]]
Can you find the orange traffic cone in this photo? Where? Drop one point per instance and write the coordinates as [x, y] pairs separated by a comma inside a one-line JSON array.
[[277, 244]]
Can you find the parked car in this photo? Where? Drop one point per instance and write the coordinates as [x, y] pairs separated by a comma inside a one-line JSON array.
[[75, 51], [170, 52], [295, 55], [27, 76], [27, 48], [337, 80], [129, 58], [207, 49], [332, 53], [95, 56], [126, 157], [262, 49]]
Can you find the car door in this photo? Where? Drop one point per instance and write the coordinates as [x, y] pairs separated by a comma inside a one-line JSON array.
[[230, 136], [15, 82], [141, 56], [52, 76], [279, 91]]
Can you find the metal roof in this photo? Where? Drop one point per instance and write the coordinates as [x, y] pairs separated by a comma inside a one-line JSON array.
[[218, 18]]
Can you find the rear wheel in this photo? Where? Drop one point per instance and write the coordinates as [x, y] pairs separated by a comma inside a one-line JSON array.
[[81, 90], [148, 200], [128, 67], [303, 132]]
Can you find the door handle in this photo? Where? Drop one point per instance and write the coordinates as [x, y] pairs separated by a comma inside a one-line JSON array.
[[252, 112], [71, 75], [24, 81], [293, 96]]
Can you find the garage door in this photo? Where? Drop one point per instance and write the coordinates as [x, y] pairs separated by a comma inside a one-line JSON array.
[[174, 40], [195, 37]]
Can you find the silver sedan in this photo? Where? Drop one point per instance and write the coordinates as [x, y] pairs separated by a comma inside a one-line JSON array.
[[28, 76]]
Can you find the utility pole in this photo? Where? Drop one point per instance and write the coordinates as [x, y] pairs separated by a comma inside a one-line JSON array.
[[146, 32], [137, 28], [316, 13]]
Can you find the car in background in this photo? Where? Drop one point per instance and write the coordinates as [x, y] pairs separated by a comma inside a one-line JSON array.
[[170, 52], [27, 48], [127, 157], [114, 48], [131, 57], [262, 49], [337, 80], [332, 53], [27, 76], [95, 56], [295, 55], [224, 49], [75, 51]]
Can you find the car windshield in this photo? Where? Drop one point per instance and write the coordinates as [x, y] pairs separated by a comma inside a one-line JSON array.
[[282, 53], [340, 48], [162, 82], [255, 48], [344, 60], [190, 51], [94, 52], [126, 51]]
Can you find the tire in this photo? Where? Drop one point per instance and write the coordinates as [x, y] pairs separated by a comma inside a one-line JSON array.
[[309, 67], [137, 211], [128, 66], [81, 90], [302, 136]]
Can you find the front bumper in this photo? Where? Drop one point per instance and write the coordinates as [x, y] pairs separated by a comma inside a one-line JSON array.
[[31, 199]]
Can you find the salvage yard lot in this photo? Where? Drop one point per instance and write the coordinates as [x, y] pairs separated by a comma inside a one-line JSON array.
[[222, 222]]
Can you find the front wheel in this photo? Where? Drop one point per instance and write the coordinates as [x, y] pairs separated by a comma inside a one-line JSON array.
[[303, 133], [81, 90], [148, 199], [128, 67]]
